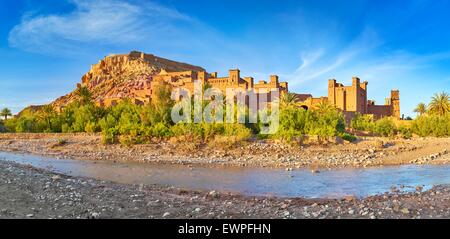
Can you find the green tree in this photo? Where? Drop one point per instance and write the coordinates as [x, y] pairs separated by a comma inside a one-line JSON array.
[[421, 108], [440, 104], [46, 113], [385, 127], [288, 100], [362, 122], [83, 95], [5, 113], [324, 107]]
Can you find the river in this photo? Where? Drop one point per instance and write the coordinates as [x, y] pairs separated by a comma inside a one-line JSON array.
[[334, 183]]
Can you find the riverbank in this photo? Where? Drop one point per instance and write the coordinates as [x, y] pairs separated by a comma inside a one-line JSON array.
[[27, 192], [366, 152]]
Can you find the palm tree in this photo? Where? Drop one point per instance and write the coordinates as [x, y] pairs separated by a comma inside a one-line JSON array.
[[324, 107], [5, 113], [288, 100], [46, 113], [421, 109], [83, 95], [440, 104]]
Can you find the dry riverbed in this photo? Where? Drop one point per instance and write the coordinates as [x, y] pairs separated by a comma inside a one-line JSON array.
[[27, 192], [366, 152]]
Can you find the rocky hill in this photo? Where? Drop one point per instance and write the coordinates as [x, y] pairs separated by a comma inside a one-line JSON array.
[[124, 76]]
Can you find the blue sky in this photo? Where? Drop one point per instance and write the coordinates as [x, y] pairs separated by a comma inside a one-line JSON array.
[[47, 45]]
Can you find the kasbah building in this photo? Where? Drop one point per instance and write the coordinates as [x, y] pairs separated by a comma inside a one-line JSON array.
[[349, 99]]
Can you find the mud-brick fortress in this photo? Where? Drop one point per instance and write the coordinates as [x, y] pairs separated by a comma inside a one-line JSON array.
[[187, 79], [353, 99], [349, 99], [137, 75]]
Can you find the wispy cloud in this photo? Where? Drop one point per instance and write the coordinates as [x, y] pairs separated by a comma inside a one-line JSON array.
[[364, 57], [318, 62], [102, 22]]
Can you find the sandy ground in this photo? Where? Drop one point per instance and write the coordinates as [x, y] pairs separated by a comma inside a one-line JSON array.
[[366, 152], [26, 192]]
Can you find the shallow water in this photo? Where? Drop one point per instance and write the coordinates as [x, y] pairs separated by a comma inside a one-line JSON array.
[[249, 181]]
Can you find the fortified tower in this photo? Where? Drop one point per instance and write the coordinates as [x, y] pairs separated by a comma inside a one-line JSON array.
[[332, 92], [274, 81], [348, 98], [234, 75], [395, 103], [202, 76]]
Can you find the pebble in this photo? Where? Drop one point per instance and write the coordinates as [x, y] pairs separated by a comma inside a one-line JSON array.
[[419, 188], [405, 211]]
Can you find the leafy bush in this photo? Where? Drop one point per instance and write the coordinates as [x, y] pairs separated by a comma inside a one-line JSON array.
[[2, 127], [328, 123], [434, 120], [127, 140], [238, 131], [295, 122], [26, 124], [109, 136], [432, 125], [196, 132], [85, 118], [292, 123], [159, 130], [362, 122], [405, 132], [348, 137], [91, 127], [122, 120], [385, 127]]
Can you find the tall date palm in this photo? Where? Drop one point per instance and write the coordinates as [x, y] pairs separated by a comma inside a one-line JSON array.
[[421, 108], [5, 113], [440, 104]]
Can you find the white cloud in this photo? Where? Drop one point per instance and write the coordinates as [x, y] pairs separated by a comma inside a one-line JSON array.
[[101, 22], [310, 58]]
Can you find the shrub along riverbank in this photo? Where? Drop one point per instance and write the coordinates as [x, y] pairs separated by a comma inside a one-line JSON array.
[[128, 123]]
